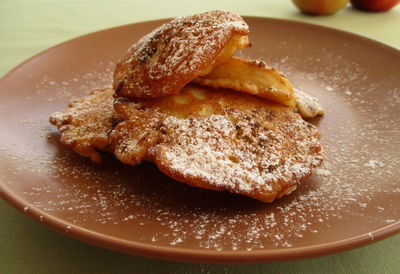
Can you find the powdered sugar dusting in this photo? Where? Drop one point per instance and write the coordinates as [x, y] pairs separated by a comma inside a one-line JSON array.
[[357, 185], [115, 195], [172, 55], [223, 153], [86, 123]]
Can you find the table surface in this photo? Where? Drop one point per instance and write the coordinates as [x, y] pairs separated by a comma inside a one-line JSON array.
[[28, 27]]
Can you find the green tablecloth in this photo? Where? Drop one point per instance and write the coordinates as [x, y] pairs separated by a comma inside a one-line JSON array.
[[28, 27]]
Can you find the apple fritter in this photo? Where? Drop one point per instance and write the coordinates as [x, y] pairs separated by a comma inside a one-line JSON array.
[[209, 136], [171, 56], [86, 123], [253, 77], [219, 139]]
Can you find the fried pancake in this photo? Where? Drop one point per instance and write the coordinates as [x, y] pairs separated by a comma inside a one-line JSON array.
[[253, 77], [86, 123], [221, 140], [174, 54]]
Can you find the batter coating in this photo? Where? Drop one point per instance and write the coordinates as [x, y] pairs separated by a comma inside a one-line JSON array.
[[174, 54], [86, 123], [253, 77], [211, 138], [220, 140]]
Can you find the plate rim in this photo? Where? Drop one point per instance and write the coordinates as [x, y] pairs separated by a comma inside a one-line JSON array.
[[189, 254], [195, 255]]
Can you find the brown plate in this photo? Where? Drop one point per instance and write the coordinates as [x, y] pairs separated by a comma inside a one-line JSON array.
[[352, 201]]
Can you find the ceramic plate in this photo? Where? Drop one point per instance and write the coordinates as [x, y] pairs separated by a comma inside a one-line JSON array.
[[351, 201]]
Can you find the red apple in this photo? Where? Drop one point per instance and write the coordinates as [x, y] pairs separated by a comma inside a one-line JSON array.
[[320, 7], [374, 5]]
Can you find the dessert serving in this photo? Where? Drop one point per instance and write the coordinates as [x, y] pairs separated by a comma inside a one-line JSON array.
[[206, 118], [174, 54]]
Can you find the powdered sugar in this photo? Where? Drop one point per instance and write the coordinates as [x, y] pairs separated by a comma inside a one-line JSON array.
[[172, 55], [203, 148], [242, 144], [141, 205], [194, 158], [114, 195], [374, 164]]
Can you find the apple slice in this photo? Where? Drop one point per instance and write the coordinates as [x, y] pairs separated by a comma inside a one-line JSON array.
[[253, 77]]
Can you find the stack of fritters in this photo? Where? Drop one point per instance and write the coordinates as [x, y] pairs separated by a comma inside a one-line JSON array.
[[238, 131]]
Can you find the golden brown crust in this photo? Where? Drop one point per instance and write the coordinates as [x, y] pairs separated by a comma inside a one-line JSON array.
[[163, 61], [214, 139], [221, 140], [253, 77], [209, 138], [86, 124], [133, 138]]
